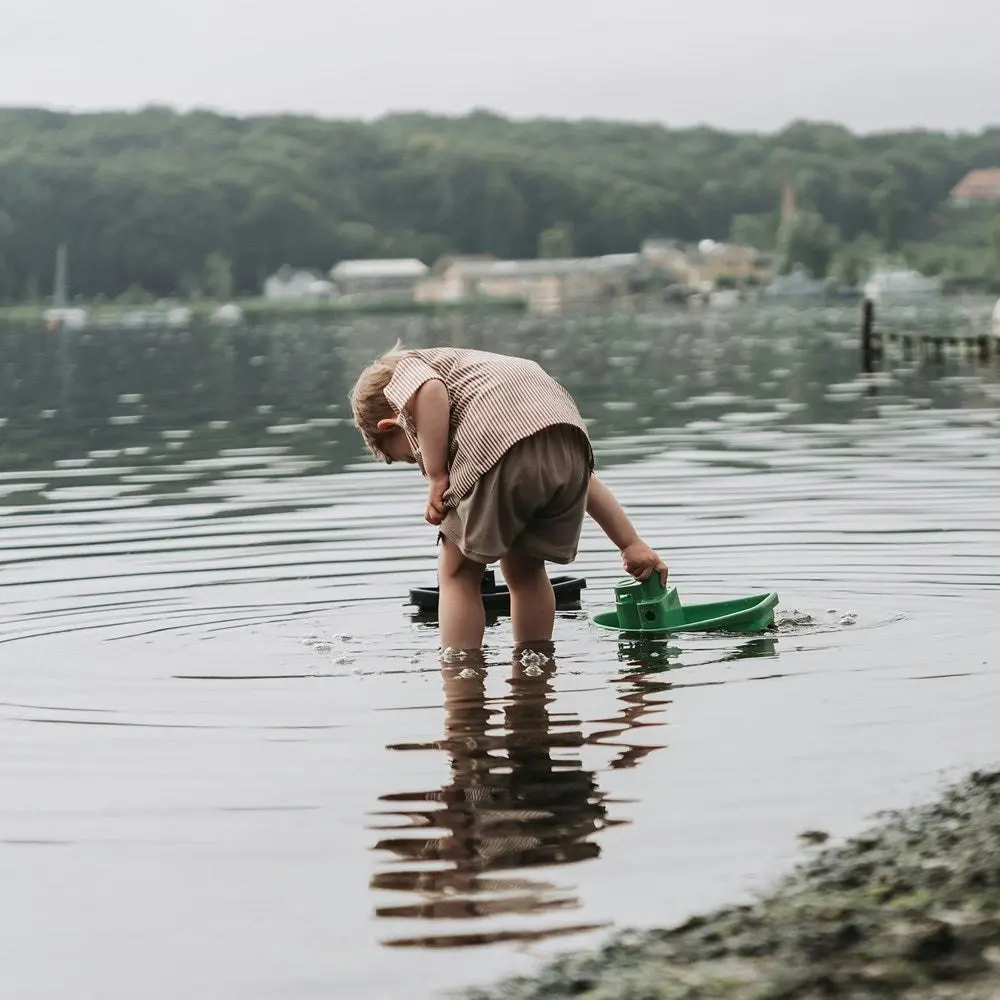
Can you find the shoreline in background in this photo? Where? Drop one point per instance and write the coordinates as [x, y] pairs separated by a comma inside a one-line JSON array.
[[118, 316], [909, 908], [180, 314]]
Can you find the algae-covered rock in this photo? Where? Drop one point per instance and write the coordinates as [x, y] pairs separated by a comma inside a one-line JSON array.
[[910, 909]]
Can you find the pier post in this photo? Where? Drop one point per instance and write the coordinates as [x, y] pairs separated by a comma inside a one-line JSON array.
[[868, 336]]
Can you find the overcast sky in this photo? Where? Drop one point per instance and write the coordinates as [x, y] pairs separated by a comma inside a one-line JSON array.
[[747, 64]]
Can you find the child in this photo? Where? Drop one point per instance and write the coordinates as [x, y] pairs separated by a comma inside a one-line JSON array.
[[510, 469]]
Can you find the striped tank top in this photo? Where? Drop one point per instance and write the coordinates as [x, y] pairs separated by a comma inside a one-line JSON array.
[[496, 401]]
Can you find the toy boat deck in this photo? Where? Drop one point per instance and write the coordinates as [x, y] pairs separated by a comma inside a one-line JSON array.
[[648, 609]]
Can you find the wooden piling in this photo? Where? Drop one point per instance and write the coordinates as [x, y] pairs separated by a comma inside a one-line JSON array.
[[926, 346], [868, 336]]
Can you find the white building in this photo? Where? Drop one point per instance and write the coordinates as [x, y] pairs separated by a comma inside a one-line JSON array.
[[797, 286], [66, 318], [229, 314], [291, 285], [890, 285], [395, 277]]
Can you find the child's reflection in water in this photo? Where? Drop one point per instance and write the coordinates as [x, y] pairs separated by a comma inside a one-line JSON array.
[[518, 798]]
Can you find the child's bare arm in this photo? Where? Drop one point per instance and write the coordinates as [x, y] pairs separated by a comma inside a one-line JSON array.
[[607, 512], [638, 558], [431, 418], [431, 412]]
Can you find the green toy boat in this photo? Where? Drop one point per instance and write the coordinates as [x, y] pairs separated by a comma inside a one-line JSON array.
[[649, 609]]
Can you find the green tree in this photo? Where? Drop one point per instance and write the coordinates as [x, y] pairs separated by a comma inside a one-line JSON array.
[[7, 289], [807, 239], [217, 280], [357, 240], [555, 242], [754, 231], [152, 194], [852, 263], [280, 224], [135, 295], [891, 208]]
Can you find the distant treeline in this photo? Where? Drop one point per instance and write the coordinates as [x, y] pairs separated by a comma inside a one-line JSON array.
[[158, 202]]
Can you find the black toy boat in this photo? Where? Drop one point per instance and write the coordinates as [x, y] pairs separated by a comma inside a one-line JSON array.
[[496, 596]]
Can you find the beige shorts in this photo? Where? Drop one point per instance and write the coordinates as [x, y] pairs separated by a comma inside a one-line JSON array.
[[532, 501]]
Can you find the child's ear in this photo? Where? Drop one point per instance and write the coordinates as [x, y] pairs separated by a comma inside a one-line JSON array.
[[386, 424]]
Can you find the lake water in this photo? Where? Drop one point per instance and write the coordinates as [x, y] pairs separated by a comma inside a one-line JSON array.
[[232, 765]]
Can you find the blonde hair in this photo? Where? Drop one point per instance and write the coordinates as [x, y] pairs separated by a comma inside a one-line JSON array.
[[368, 402]]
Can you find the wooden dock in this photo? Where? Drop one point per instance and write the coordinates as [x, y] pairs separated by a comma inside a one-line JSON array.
[[973, 345]]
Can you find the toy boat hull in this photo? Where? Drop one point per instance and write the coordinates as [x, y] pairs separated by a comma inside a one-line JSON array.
[[496, 596], [743, 614]]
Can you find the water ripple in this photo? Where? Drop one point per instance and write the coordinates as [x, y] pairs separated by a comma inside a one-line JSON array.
[[210, 669]]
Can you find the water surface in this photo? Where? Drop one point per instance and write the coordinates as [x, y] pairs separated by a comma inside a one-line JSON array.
[[233, 765]]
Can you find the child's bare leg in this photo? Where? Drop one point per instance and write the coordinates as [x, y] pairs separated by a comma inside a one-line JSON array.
[[532, 601], [460, 600]]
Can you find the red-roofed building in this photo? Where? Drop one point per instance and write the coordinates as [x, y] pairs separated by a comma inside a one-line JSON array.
[[977, 187]]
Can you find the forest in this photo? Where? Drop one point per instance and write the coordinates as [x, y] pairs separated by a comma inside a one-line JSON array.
[[158, 202]]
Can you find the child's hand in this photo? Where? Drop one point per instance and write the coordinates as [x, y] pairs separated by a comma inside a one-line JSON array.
[[642, 562], [434, 514]]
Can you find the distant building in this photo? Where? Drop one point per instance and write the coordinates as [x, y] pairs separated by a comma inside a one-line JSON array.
[[178, 316], [669, 258], [65, 318], [157, 315], [901, 286], [545, 285], [977, 187], [291, 285], [396, 277], [444, 283], [725, 298], [728, 260], [797, 286], [442, 264], [701, 266], [228, 314]]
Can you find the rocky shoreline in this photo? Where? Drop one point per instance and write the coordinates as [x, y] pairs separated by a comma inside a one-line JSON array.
[[909, 909]]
